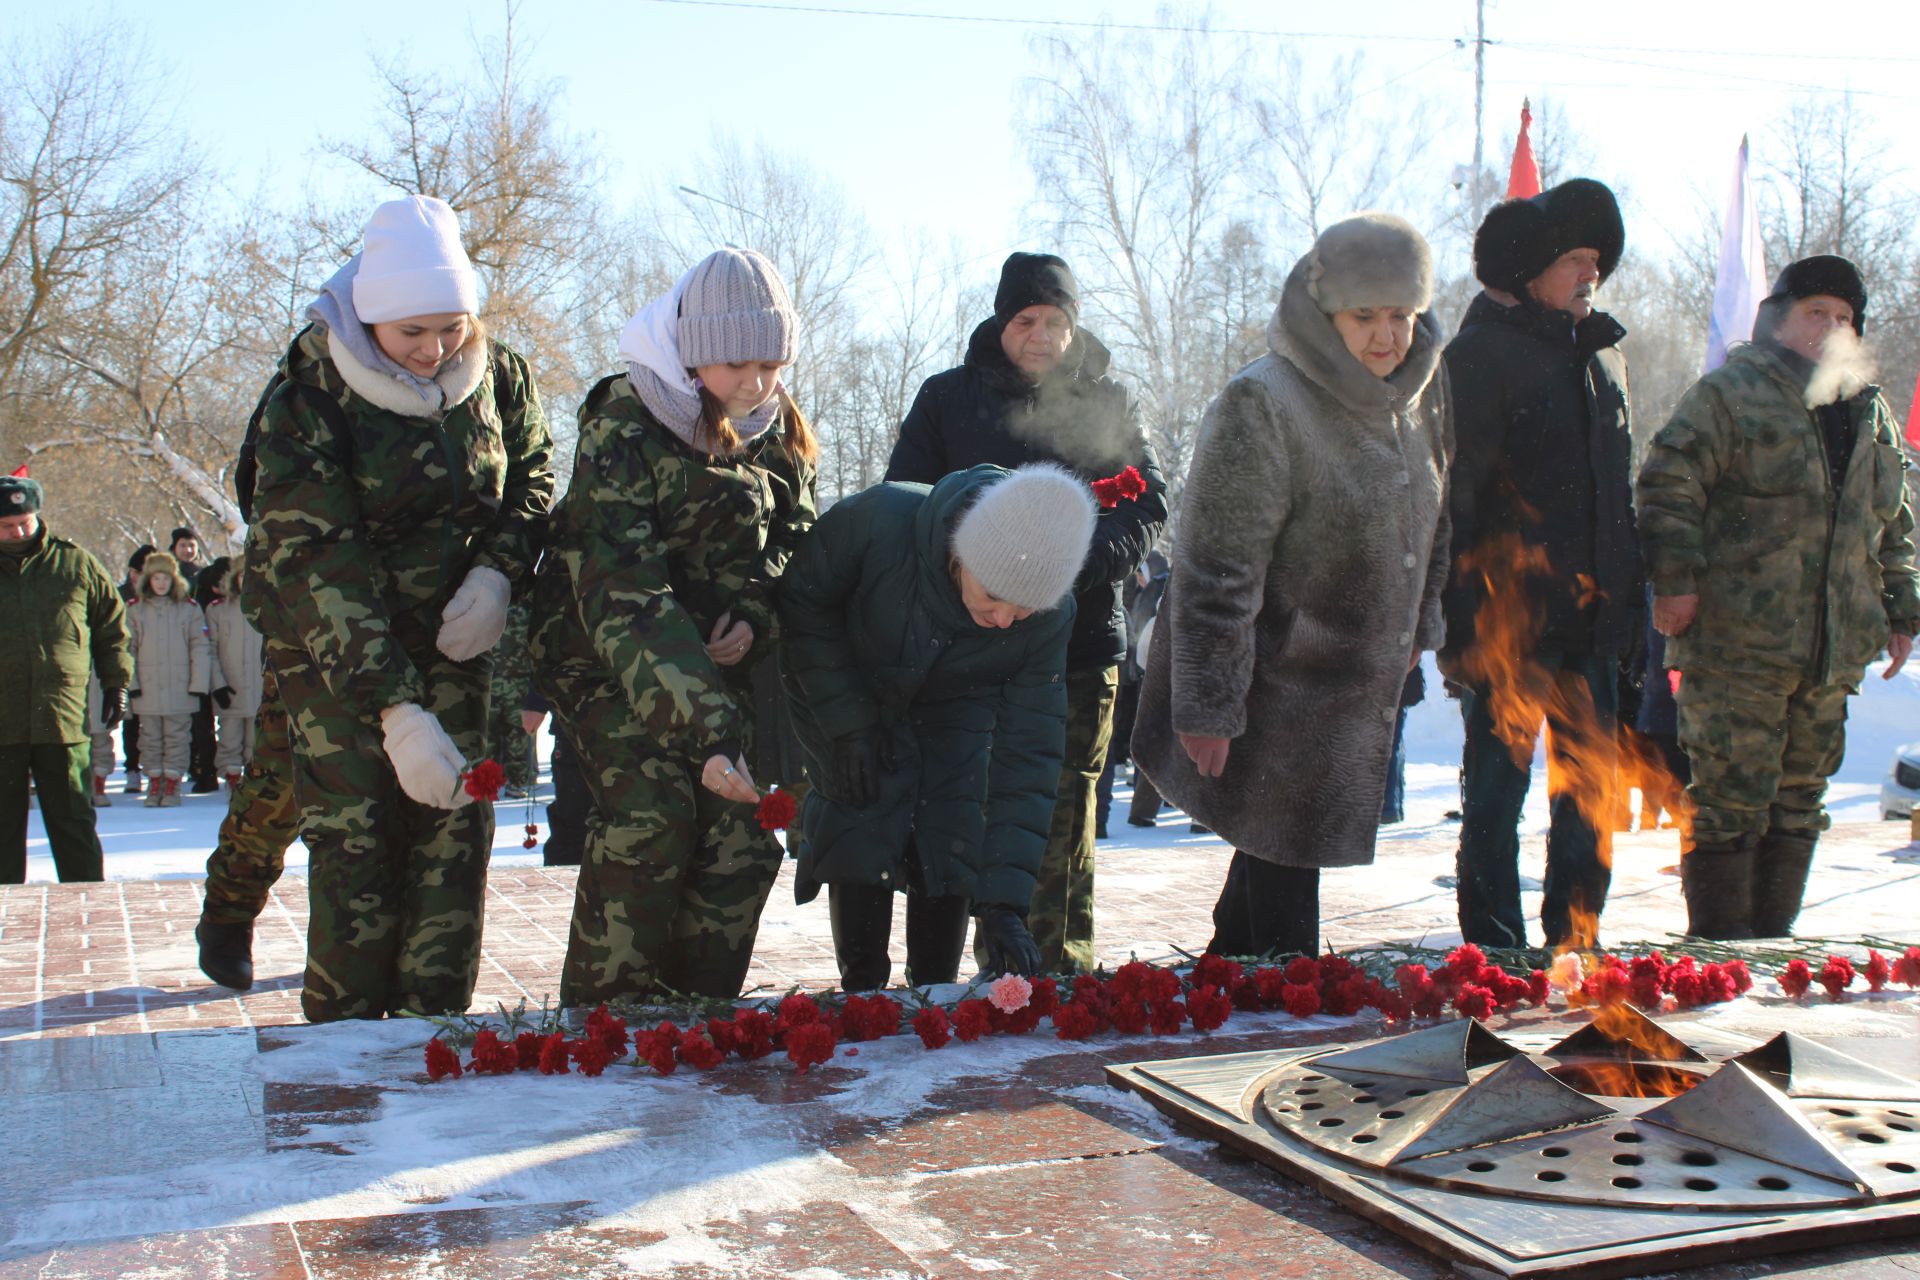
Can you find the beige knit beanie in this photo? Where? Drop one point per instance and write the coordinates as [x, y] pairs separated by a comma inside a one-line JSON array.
[[736, 308]]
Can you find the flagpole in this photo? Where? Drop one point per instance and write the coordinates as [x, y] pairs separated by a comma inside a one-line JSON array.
[[1741, 281]]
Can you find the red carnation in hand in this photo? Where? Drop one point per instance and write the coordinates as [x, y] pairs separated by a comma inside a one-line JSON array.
[[777, 810], [1209, 1008], [1300, 999], [1836, 975], [441, 1060], [1130, 483], [1107, 493], [1796, 978], [931, 1025], [810, 1044], [484, 780], [1878, 970], [699, 1052]]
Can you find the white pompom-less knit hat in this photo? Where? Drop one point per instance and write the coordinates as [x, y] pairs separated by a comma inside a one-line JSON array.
[[735, 308], [412, 264], [1027, 535]]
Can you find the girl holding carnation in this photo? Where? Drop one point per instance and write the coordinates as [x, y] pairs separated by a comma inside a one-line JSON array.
[[692, 484]]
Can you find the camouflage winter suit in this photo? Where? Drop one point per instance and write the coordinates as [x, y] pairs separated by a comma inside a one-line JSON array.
[[1799, 585], [653, 542], [366, 521], [262, 819], [507, 742]]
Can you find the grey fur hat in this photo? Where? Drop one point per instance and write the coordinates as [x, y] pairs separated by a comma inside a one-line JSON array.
[[736, 308], [1372, 259], [1027, 535]]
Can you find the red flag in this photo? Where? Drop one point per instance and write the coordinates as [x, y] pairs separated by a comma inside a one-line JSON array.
[[20, 472], [1523, 179], [1913, 420]]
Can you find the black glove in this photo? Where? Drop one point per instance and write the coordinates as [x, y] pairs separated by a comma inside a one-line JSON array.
[[205, 705], [223, 696], [1009, 947], [113, 707], [134, 696], [856, 768]]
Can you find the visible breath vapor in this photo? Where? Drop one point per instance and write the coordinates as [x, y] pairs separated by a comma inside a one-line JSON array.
[[1846, 368]]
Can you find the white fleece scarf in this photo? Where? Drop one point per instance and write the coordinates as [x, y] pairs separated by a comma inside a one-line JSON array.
[[377, 377], [650, 344]]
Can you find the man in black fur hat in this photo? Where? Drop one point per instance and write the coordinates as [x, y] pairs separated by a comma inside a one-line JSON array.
[[1547, 597]]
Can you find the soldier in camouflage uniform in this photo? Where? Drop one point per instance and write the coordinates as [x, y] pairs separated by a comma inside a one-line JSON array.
[[403, 483], [653, 602], [1778, 537], [507, 741], [263, 819]]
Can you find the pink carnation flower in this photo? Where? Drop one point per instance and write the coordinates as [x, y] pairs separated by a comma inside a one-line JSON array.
[[1010, 993]]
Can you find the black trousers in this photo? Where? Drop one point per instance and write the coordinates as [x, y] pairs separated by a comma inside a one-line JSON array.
[[203, 748], [862, 920], [62, 774], [1267, 910], [1579, 857]]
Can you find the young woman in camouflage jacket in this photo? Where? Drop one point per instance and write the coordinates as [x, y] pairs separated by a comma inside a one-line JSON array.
[[693, 482], [404, 477]]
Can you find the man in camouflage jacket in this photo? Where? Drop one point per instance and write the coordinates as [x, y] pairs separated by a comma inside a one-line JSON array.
[[1778, 537]]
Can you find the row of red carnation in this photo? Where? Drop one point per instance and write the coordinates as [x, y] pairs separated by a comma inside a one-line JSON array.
[[1138, 998]]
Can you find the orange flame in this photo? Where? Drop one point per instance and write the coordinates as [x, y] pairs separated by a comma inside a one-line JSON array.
[[1643, 1073], [1587, 760]]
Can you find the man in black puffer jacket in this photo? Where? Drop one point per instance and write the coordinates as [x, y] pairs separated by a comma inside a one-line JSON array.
[[1543, 531], [1034, 389]]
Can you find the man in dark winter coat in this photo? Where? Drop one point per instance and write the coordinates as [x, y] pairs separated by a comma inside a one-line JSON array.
[[1034, 389], [1779, 539], [64, 618], [1546, 597]]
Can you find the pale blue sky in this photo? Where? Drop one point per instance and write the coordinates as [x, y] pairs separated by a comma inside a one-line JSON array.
[[916, 116]]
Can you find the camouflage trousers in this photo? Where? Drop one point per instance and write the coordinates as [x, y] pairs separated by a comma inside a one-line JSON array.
[[672, 879], [263, 818], [507, 743], [396, 890], [1762, 746], [1061, 916]]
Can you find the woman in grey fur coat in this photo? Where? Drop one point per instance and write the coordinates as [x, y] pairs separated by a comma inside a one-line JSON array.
[[1306, 580]]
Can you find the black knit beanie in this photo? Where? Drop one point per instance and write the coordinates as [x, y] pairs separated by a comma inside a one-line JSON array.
[[1033, 280]]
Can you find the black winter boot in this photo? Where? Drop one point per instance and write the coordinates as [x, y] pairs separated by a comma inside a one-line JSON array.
[[226, 952], [936, 937], [862, 919], [1781, 863], [1717, 878]]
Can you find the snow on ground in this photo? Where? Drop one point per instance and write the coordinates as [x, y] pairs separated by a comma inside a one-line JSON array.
[[144, 844]]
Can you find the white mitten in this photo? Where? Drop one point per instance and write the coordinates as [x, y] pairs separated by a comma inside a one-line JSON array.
[[424, 757], [476, 617]]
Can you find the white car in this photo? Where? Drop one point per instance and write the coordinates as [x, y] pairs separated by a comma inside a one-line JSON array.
[[1901, 787]]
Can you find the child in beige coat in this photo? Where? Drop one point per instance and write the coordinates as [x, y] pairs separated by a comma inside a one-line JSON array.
[[172, 665]]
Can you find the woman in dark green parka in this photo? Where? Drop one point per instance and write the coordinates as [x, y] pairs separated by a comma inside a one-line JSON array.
[[923, 644]]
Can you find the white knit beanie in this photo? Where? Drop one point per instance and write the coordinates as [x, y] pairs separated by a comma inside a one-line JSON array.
[[736, 308], [1026, 536], [412, 264]]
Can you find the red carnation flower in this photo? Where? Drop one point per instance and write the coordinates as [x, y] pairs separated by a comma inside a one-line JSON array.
[[1300, 999], [491, 1057], [1162, 985], [796, 1010], [1129, 981], [1836, 975], [752, 1033], [1717, 984], [1689, 990], [870, 1017], [1796, 978], [1467, 960], [1742, 978], [1131, 483], [698, 1052], [777, 810], [1129, 1016], [526, 1046], [1878, 970], [1045, 998], [1107, 493], [1474, 1001], [589, 1054], [1075, 1021], [1209, 1007], [1538, 988], [484, 780], [1303, 971], [553, 1055], [441, 1060], [972, 1019], [1344, 998], [1906, 970], [1609, 984], [931, 1025], [1215, 971], [1268, 984], [607, 1029], [1166, 1017], [810, 1044], [657, 1047]]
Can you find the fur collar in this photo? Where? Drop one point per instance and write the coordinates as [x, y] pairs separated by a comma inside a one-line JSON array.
[[457, 380]]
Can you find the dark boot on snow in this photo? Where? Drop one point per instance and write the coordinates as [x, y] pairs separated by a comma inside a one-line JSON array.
[[1781, 863], [1717, 878], [226, 952]]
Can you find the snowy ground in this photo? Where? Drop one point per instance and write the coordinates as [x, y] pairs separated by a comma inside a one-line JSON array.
[[144, 844]]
